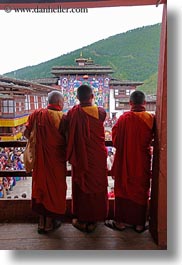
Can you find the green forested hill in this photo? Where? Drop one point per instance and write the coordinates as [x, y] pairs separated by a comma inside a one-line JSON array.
[[150, 85], [132, 55]]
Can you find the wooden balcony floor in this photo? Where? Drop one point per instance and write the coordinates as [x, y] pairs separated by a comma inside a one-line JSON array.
[[24, 236]]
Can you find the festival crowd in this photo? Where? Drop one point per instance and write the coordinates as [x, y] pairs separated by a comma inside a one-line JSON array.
[[10, 159]]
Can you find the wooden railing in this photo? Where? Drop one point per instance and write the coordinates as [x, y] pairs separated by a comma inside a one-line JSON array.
[[19, 210], [22, 173]]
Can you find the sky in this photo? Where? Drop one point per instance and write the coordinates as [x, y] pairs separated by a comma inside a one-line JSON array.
[[31, 38]]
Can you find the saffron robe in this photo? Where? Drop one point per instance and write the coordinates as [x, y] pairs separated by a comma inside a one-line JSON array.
[[87, 153], [49, 173], [132, 136]]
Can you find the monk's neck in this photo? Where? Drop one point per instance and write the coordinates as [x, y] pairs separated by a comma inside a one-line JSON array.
[[137, 108], [85, 104], [54, 107]]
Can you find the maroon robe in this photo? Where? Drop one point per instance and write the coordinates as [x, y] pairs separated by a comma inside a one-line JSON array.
[[132, 136], [49, 173], [87, 153]]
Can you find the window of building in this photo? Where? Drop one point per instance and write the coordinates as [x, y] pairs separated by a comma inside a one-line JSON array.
[[43, 101], [120, 105], [116, 92], [8, 106], [20, 106], [128, 92], [5, 130], [11, 106], [121, 92], [27, 102], [36, 105]]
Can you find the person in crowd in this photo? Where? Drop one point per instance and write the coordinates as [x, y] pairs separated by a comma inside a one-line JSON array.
[[19, 164], [87, 154], [49, 172], [2, 190], [132, 136], [111, 193], [6, 185], [110, 160], [3, 162]]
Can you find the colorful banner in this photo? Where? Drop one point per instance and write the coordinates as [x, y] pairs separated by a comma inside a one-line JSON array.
[[99, 85]]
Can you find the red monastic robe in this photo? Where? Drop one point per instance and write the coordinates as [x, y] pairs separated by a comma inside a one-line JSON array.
[[132, 136], [87, 153], [49, 173]]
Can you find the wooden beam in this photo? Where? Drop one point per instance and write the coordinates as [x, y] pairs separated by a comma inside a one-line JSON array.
[[23, 143], [158, 222], [11, 4]]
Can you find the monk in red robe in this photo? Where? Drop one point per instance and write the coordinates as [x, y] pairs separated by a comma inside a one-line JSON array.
[[132, 136], [49, 172], [87, 153]]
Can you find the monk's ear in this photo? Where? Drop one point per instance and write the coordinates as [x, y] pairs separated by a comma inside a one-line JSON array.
[[144, 103], [92, 96], [61, 104]]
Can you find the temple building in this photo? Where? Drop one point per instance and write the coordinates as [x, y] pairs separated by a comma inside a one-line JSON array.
[[18, 99], [111, 94], [119, 97]]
